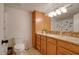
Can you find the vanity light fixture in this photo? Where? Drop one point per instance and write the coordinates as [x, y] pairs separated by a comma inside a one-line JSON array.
[[64, 10], [58, 11], [52, 14]]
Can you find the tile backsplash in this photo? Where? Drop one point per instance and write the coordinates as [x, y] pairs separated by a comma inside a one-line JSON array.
[[62, 25], [67, 25]]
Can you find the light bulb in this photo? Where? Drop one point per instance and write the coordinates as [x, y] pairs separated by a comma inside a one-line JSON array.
[[64, 10], [58, 11], [50, 15], [54, 13]]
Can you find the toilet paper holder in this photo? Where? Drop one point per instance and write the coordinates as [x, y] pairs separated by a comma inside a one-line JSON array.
[[4, 41]]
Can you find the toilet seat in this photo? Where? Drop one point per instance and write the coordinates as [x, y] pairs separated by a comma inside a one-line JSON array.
[[19, 48]]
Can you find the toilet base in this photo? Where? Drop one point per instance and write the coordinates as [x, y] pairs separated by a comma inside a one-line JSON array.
[[20, 52]]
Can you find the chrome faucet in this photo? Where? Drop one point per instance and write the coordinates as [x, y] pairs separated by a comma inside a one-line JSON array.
[[44, 31]]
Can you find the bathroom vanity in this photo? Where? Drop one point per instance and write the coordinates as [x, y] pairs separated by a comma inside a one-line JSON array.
[[60, 42], [56, 44]]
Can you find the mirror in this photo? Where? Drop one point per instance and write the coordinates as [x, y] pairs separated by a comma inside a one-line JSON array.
[[67, 22]]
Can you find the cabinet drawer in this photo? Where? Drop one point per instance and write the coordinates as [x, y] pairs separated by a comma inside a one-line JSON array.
[[38, 47], [71, 47], [38, 35], [62, 51], [38, 43], [38, 38], [43, 38], [43, 41], [51, 40]]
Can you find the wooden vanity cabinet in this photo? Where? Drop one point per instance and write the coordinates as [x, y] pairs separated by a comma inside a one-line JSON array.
[[51, 46], [40, 21], [43, 45], [38, 42], [67, 48], [63, 51]]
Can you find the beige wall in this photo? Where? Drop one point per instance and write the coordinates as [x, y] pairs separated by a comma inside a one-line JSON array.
[[1, 22], [3, 48], [19, 25]]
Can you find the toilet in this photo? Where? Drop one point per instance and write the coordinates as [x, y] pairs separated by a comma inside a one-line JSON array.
[[19, 49], [19, 46]]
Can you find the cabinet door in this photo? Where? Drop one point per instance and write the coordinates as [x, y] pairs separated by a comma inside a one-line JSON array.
[[43, 45], [62, 51], [51, 46], [69, 46], [38, 42], [38, 39], [51, 49]]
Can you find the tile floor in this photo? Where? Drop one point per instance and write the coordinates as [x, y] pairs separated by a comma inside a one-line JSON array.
[[32, 51]]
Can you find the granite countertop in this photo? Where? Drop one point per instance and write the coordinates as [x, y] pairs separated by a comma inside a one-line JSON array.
[[62, 37]]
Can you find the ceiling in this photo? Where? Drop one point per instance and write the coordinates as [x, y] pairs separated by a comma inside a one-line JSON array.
[[42, 7], [45, 7]]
